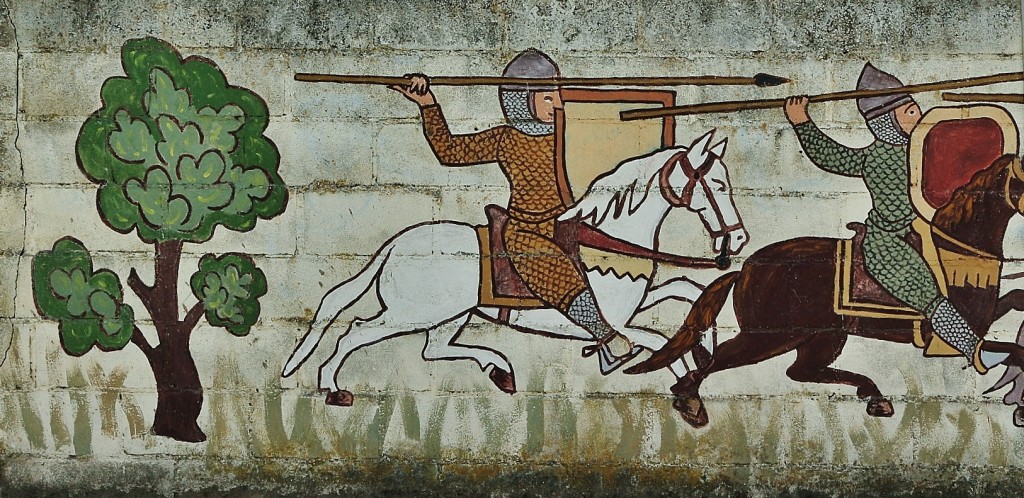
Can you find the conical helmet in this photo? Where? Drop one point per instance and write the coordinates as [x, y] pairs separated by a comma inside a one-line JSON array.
[[873, 79], [531, 63]]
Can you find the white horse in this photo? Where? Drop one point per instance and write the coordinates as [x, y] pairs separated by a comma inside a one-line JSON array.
[[427, 277]]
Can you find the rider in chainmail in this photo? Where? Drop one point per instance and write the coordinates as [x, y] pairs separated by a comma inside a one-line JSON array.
[[525, 151], [883, 165]]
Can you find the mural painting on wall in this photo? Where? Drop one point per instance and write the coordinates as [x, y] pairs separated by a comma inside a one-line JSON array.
[[573, 253], [176, 152]]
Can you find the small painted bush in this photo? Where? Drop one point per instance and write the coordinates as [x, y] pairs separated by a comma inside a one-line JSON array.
[[230, 287], [86, 304]]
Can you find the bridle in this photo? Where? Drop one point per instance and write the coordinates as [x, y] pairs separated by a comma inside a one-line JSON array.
[[694, 177], [1015, 172]]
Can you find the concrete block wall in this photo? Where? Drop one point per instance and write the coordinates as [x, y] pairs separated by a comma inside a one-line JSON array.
[[358, 170]]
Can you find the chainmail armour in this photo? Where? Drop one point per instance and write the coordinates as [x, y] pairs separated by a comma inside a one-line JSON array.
[[583, 311], [956, 331], [534, 204], [888, 257], [887, 129], [516, 105]]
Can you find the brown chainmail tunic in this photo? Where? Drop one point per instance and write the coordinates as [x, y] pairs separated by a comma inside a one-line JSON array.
[[529, 164]]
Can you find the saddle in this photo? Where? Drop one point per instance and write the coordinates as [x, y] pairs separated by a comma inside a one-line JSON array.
[[857, 294], [500, 285]]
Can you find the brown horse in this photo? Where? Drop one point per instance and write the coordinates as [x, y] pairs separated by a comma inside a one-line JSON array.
[[783, 300]]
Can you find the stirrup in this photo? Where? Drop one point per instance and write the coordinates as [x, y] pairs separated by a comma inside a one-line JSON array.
[[976, 362]]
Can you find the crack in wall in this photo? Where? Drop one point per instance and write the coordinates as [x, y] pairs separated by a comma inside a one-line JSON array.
[[24, 186]]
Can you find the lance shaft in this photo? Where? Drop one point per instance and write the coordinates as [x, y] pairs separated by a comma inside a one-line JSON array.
[[759, 80], [1007, 98], [743, 105]]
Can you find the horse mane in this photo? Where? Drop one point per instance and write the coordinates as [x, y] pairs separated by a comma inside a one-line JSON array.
[[610, 195], [965, 199]]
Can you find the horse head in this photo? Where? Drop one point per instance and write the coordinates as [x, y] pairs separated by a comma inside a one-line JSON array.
[[977, 213], [698, 180]]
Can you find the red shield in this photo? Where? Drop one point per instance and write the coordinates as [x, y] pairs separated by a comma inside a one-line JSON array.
[[950, 145]]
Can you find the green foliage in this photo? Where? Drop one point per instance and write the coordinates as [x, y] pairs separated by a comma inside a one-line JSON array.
[[87, 304], [177, 151], [229, 287]]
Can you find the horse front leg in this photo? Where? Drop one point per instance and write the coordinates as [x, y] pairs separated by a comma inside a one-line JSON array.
[[1013, 376], [1013, 300], [680, 288]]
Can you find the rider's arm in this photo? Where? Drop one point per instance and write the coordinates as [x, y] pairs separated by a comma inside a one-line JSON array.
[[458, 150], [827, 154]]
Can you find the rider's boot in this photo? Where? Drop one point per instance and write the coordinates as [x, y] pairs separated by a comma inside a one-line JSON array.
[[951, 327], [613, 350]]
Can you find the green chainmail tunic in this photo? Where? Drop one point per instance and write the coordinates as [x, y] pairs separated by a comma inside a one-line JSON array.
[[888, 257]]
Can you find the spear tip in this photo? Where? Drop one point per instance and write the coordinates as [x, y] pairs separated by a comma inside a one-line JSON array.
[[764, 80]]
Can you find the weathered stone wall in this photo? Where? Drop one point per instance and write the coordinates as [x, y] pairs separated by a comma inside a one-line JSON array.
[[358, 171]]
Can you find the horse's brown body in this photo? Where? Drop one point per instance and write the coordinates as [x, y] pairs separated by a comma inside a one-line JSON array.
[[783, 299]]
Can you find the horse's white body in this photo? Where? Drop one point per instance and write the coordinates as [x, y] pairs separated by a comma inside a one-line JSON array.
[[427, 276]]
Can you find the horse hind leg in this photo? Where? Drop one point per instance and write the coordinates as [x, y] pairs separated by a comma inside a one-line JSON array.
[[812, 365], [361, 333], [652, 341], [441, 345], [747, 348]]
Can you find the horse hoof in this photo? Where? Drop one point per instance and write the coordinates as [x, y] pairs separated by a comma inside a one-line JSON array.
[[880, 407], [686, 386], [692, 410], [338, 398], [1018, 416], [503, 380]]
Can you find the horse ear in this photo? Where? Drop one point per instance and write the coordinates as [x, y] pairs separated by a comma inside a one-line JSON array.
[[701, 144], [719, 148], [699, 150]]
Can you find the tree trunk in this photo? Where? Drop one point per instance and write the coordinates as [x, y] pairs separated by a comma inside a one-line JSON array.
[[179, 391]]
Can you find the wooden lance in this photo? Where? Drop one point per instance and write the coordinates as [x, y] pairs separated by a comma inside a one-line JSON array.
[[1006, 98], [760, 79], [743, 105]]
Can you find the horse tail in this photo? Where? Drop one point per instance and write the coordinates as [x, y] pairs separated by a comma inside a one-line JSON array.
[[334, 302], [705, 309]]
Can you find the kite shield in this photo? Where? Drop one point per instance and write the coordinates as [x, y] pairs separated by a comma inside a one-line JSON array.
[[591, 140]]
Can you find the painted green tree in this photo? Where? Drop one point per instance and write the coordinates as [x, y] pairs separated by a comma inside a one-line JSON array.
[[176, 152]]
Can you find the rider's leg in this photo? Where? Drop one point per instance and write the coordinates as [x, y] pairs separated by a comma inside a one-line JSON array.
[[554, 278], [584, 312], [952, 328], [891, 261]]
